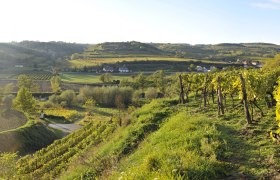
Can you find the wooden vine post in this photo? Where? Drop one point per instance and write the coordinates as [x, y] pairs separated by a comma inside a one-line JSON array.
[[205, 91], [182, 99], [244, 100], [220, 98]]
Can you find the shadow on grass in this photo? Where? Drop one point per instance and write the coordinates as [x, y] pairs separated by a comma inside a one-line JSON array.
[[245, 156]]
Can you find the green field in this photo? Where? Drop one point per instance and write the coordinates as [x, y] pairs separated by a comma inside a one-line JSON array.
[[89, 77], [99, 61]]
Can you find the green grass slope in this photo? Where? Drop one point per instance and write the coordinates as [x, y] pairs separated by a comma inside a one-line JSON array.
[[162, 140], [184, 147], [28, 138]]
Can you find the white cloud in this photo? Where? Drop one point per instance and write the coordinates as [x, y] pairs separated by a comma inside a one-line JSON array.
[[268, 4]]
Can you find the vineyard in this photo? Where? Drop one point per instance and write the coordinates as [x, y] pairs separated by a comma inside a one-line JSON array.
[[222, 119], [36, 75], [51, 161], [69, 114], [252, 87]]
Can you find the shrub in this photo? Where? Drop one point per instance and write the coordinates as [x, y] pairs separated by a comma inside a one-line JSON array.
[[151, 93], [106, 96], [69, 97]]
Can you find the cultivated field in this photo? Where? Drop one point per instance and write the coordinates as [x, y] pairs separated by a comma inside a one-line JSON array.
[[99, 61]]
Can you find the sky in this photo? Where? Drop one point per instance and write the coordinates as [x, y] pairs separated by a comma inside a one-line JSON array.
[[161, 21]]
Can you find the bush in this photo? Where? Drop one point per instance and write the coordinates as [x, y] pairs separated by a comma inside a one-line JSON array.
[[106, 96], [85, 93], [151, 93], [69, 97]]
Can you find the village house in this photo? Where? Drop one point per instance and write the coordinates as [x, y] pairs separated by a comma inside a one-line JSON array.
[[201, 69], [19, 66], [255, 64], [123, 69], [108, 69]]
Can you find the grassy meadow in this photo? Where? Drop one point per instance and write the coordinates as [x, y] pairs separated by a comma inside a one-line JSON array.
[[99, 61], [89, 77]]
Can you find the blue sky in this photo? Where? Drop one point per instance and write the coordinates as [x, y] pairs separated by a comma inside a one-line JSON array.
[[173, 21]]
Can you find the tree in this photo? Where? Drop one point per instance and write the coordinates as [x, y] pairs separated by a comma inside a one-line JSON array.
[[24, 101], [24, 81], [192, 67], [7, 102], [140, 81], [68, 97], [151, 93], [107, 77], [102, 78], [55, 84], [8, 88], [160, 81]]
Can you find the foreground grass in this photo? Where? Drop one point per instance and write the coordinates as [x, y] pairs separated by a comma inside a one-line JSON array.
[[99, 114], [185, 147], [196, 144], [164, 140]]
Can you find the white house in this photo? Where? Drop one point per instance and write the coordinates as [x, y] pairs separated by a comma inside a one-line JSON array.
[[123, 69], [108, 69], [201, 69], [19, 66]]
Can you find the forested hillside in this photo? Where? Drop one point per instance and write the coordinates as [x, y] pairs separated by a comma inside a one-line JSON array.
[[37, 54]]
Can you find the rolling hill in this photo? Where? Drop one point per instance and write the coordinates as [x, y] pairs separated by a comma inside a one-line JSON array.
[[120, 49], [36, 54]]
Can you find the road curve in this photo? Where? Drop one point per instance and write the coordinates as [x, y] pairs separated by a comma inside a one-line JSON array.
[[67, 128]]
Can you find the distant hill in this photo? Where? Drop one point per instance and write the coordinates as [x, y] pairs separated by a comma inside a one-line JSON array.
[[120, 49], [34, 54], [220, 52]]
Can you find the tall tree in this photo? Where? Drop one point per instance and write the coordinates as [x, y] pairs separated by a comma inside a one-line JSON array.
[[55, 84], [24, 101], [25, 81], [140, 81]]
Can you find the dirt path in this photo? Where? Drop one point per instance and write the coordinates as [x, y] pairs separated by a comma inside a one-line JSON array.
[[67, 128]]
